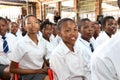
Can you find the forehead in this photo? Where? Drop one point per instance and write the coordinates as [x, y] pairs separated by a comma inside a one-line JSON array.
[[30, 18], [111, 20], [2, 22], [67, 24], [48, 26], [85, 23]]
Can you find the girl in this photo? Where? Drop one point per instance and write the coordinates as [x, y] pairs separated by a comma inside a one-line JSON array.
[[64, 58], [29, 53]]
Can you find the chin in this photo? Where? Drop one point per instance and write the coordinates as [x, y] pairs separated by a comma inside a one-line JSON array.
[[72, 43]]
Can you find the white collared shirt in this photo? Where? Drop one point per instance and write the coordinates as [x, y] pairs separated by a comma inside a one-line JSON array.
[[67, 65], [102, 38], [85, 47], [4, 57], [50, 47], [55, 40], [105, 63], [28, 54]]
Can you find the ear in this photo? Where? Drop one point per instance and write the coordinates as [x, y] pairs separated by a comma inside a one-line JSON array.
[[59, 33], [103, 27], [25, 27]]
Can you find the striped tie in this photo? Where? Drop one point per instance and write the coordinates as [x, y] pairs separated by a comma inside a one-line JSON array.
[[91, 46], [5, 45]]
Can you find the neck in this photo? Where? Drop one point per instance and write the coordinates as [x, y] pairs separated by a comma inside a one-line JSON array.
[[34, 38], [70, 47], [108, 34], [87, 39]]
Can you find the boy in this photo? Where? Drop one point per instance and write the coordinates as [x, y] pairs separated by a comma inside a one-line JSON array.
[[105, 60], [109, 27]]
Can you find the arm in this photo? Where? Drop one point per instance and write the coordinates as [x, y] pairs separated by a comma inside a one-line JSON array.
[[14, 69]]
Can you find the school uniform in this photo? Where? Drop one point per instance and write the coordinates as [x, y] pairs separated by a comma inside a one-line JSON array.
[[105, 63], [102, 38], [39, 34], [4, 57], [28, 54], [55, 40], [50, 47], [86, 51], [65, 61]]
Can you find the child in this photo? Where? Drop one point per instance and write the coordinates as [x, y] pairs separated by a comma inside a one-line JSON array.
[[29, 53], [87, 31], [66, 63], [109, 27], [97, 29], [85, 43], [6, 47], [14, 28], [105, 60], [47, 30]]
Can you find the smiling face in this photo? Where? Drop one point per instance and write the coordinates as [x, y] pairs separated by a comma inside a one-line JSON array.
[[69, 32], [14, 27], [31, 25], [47, 31]]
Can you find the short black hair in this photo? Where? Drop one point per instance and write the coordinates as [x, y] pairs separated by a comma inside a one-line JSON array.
[[1, 18], [105, 19], [43, 24], [82, 21], [63, 21]]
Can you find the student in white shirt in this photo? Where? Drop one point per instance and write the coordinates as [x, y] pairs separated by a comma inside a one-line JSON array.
[[97, 29], [29, 53], [105, 63], [55, 38], [4, 56], [47, 31], [14, 28], [105, 60], [84, 42], [66, 63], [109, 27]]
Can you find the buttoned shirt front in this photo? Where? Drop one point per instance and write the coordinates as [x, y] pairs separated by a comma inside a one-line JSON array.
[[67, 65], [28, 54], [4, 57]]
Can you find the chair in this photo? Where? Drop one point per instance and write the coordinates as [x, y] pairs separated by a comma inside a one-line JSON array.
[[15, 76], [50, 74]]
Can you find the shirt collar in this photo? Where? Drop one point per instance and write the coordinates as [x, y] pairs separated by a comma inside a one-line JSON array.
[[6, 35], [84, 42], [65, 49], [27, 38]]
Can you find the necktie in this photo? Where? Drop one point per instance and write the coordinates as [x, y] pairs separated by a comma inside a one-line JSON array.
[[5, 45], [91, 46]]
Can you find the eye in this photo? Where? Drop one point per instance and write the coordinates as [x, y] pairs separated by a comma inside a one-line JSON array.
[[85, 27], [28, 22], [36, 21], [75, 29], [67, 30]]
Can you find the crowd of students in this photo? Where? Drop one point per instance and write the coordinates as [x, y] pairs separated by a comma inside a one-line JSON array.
[[74, 51]]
